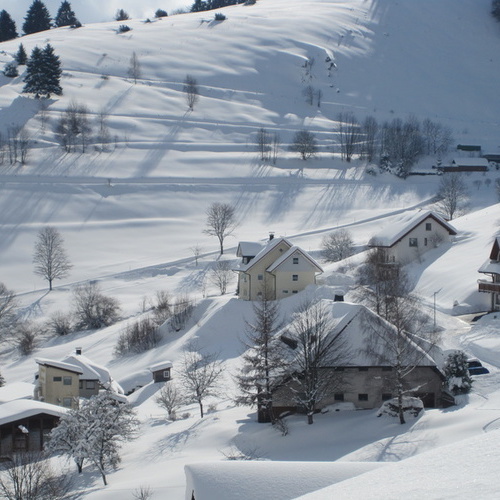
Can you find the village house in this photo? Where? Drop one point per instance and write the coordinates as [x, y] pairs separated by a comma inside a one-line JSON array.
[[492, 268], [366, 377], [409, 236], [277, 268], [64, 382], [25, 425], [466, 165], [470, 150]]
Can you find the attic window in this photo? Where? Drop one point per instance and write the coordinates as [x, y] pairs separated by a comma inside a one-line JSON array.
[[260, 277], [57, 379], [413, 242], [295, 260], [428, 226], [295, 277]]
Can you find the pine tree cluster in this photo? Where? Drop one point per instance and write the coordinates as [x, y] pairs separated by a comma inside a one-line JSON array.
[[201, 5], [43, 73]]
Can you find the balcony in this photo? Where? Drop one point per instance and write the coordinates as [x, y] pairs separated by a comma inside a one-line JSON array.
[[488, 286]]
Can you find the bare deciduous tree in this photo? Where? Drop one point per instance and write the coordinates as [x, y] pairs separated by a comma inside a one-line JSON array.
[[221, 222], [369, 131], [275, 147], [197, 250], [263, 143], [93, 309], [317, 352], [221, 275], [28, 476], [73, 126], [191, 90], [200, 372], [50, 258], [304, 143], [453, 195], [103, 134], [8, 306], [349, 134], [170, 398], [134, 69], [308, 93], [337, 245]]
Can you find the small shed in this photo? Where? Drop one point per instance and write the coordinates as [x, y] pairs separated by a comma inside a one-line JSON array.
[[161, 371], [25, 425]]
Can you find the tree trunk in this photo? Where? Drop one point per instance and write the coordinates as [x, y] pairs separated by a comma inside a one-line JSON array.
[[50, 285], [310, 418], [201, 408]]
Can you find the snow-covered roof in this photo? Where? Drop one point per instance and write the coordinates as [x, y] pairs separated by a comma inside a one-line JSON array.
[[470, 162], [94, 371], [291, 251], [257, 480], [59, 364], [16, 390], [24, 408], [263, 252], [490, 266], [361, 334], [249, 248], [160, 366], [402, 225]]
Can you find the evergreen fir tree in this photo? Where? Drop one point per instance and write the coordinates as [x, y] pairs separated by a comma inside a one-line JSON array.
[[7, 27], [21, 56], [37, 18], [457, 374], [65, 16], [43, 73]]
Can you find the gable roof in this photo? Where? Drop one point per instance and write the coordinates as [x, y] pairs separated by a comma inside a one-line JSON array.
[[396, 231], [271, 245], [25, 408], [160, 366], [289, 253], [249, 248], [59, 364], [358, 326], [470, 162], [492, 265]]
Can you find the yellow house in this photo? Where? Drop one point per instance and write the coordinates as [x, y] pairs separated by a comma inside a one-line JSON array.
[[58, 383], [277, 268]]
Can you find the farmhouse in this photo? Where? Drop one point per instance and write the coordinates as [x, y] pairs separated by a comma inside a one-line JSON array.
[[492, 268], [277, 268], [25, 424], [466, 165], [408, 237], [366, 377]]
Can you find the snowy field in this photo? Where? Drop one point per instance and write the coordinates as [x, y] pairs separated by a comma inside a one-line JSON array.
[[131, 215]]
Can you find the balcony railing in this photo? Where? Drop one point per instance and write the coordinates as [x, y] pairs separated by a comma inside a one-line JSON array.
[[488, 286]]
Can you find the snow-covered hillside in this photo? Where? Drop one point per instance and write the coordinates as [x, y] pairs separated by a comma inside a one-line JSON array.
[[131, 215]]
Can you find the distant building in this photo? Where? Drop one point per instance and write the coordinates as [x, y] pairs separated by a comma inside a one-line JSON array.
[[161, 371], [469, 149], [466, 165], [411, 235], [492, 268], [277, 268]]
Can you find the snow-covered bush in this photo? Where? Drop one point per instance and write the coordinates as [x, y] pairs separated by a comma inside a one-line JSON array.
[[123, 28], [10, 70], [411, 407], [60, 323], [457, 374]]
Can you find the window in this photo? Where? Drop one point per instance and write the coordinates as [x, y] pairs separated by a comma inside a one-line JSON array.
[[57, 379], [295, 291], [428, 226], [89, 384], [339, 396], [425, 242], [260, 277], [362, 397], [363, 369], [166, 373], [80, 384], [67, 402], [68, 381], [285, 291], [295, 277], [413, 242], [386, 396], [295, 260]]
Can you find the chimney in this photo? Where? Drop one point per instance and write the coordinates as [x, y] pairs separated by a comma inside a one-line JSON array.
[[271, 236], [78, 351]]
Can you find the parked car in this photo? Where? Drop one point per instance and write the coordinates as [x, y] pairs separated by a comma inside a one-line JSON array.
[[476, 368]]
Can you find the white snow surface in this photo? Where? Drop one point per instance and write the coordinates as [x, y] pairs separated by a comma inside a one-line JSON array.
[[131, 215]]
